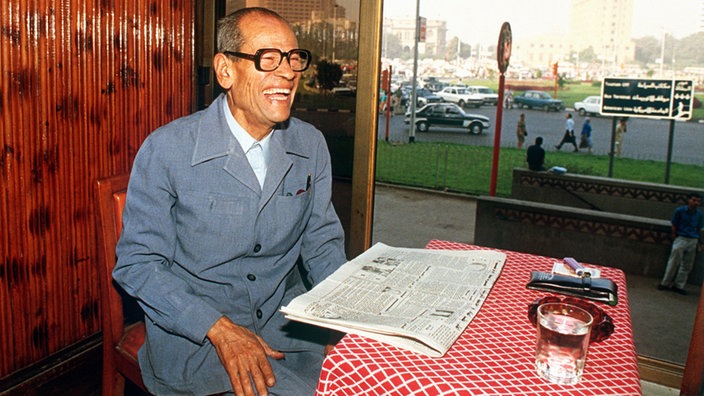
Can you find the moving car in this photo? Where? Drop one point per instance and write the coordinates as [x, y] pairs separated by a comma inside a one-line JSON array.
[[590, 105], [489, 96], [448, 115], [460, 96], [537, 99]]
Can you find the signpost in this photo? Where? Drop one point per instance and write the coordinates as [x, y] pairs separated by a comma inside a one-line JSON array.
[[668, 99], [648, 98], [503, 56]]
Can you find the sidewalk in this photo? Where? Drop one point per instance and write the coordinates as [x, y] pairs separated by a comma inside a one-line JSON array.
[[404, 217]]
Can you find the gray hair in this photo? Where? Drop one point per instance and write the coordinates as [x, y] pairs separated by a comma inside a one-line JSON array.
[[230, 36]]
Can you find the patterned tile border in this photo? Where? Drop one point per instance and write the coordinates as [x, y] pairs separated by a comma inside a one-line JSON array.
[[586, 226], [593, 187]]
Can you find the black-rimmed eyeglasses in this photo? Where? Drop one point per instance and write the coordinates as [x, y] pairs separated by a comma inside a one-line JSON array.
[[269, 59]]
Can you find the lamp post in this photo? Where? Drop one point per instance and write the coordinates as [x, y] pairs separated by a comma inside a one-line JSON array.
[[412, 131], [662, 54], [334, 30]]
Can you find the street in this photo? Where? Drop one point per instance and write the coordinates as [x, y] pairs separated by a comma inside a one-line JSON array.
[[645, 139]]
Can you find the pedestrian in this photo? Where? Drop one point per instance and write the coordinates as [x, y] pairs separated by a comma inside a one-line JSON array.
[[687, 223], [586, 135], [382, 100], [508, 99], [396, 102], [222, 208], [521, 131], [620, 131], [568, 137], [535, 155]]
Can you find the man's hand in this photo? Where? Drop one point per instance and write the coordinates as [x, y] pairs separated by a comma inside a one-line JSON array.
[[244, 355]]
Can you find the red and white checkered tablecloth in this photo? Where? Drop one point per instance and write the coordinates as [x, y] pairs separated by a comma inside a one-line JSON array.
[[495, 355]]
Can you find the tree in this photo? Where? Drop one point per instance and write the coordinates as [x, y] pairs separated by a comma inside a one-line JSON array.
[[685, 52], [392, 46], [587, 55], [329, 74], [688, 51], [451, 49], [647, 50]]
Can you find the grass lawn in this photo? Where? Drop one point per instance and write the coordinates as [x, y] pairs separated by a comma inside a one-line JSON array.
[[467, 169]]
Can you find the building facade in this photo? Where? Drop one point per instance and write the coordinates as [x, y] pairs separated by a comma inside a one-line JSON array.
[[605, 26], [295, 11], [435, 42]]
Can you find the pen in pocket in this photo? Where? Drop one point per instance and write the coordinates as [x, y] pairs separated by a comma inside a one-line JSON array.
[[301, 191]]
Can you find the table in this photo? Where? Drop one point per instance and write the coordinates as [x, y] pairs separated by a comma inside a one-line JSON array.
[[495, 355]]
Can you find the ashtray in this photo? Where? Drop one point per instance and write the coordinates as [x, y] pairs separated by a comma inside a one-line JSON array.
[[602, 325]]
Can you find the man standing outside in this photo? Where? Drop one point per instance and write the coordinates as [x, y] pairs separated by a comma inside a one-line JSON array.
[[535, 155], [521, 131], [221, 206], [687, 223], [568, 137], [586, 136], [620, 131]]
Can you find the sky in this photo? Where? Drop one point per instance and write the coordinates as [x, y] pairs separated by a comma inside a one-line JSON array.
[[479, 21]]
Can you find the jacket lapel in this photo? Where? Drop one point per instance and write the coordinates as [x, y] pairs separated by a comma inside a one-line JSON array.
[[214, 139], [284, 145]]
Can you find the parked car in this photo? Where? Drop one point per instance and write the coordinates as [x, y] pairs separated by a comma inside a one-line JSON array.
[[489, 96], [435, 86], [448, 115], [590, 105], [460, 96], [425, 96], [538, 100]]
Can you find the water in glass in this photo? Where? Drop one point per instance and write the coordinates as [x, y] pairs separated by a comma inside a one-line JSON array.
[[563, 340]]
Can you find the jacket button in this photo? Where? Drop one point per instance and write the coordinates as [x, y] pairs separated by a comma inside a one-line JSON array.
[[259, 314], [251, 277], [257, 248]]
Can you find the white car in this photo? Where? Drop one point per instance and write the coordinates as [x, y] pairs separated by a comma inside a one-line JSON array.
[[590, 105], [460, 96], [489, 96]]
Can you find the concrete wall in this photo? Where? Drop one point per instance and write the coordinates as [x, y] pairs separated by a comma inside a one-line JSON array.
[[637, 245], [652, 200]]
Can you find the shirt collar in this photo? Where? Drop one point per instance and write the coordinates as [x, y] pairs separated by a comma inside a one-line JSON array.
[[245, 140]]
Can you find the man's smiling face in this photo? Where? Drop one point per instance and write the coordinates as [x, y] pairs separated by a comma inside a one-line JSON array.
[[259, 100]]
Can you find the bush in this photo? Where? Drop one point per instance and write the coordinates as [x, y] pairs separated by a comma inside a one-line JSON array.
[[329, 74]]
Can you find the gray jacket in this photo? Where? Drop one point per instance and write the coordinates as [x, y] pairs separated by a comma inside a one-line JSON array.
[[201, 240]]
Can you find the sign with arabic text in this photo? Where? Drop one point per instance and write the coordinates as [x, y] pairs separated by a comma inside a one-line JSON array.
[[649, 98]]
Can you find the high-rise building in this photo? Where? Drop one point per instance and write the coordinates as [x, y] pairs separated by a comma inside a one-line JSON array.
[[298, 10], [605, 26], [405, 29]]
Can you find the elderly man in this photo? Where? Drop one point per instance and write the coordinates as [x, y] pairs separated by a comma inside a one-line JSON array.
[[221, 207]]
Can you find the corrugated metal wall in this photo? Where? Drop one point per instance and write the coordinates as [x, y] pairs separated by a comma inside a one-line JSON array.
[[82, 84]]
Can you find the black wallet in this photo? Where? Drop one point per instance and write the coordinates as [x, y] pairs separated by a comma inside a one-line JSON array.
[[597, 289]]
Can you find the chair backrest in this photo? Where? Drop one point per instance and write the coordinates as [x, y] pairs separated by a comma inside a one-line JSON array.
[[111, 192]]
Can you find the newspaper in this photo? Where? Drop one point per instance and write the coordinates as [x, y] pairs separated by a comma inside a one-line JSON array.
[[416, 299]]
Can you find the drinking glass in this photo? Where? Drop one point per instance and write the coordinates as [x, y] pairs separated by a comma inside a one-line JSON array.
[[563, 341]]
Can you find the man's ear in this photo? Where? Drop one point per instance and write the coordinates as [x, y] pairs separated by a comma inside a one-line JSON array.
[[224, 73]]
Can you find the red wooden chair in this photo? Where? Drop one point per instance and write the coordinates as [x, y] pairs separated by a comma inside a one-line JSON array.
[[121, 341]]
